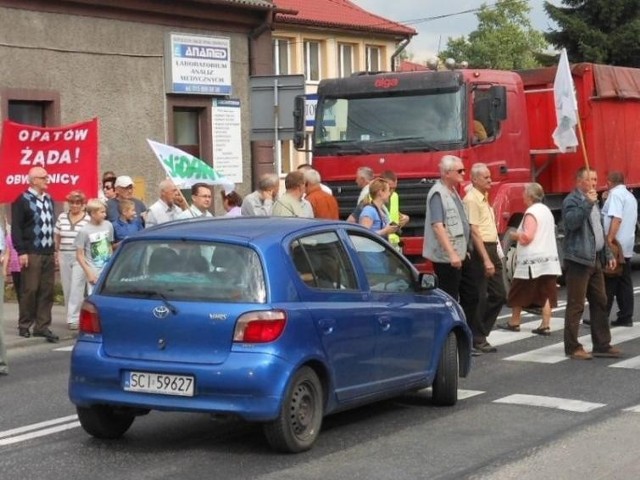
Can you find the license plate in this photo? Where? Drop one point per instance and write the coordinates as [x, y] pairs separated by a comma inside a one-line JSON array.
[[160, 383]]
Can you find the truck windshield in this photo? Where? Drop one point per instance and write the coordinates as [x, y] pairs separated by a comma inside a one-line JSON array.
[[429, 120]]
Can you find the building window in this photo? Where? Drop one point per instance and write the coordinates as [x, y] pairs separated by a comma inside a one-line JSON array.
[[28, 113], [40, 108], [345, 59], [373, 59], [281, 56], [312, 61], [186, 130]]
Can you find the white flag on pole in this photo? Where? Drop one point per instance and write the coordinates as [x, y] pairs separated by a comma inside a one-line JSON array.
[[564, 136], [185, 169]]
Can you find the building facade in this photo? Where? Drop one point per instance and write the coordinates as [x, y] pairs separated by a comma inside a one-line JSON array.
[[329, 39], [65, 62]]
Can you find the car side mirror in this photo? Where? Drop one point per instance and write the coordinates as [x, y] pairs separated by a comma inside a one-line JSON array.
[[427, 281]]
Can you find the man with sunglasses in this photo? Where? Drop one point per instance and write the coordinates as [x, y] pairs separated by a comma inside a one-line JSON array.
[[124, 191], [446, 228]]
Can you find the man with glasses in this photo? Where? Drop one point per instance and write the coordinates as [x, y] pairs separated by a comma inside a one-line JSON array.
[[446, 228], [32, 222], [200, 202], [124, 191]]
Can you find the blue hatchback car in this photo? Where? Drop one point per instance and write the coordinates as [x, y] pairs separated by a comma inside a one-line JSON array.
[[274, 320]]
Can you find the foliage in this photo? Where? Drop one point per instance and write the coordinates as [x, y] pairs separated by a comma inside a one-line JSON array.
[[599, 31], [503, 40]]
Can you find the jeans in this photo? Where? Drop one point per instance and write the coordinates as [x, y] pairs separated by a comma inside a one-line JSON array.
[[584, 282], [621, 288]]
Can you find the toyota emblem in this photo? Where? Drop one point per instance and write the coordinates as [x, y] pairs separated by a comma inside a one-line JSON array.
[[160, 311]]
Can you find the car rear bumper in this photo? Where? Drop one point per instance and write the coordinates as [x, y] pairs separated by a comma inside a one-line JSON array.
[[249, 385]]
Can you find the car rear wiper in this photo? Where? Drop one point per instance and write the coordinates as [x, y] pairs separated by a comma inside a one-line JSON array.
[[154, 294]]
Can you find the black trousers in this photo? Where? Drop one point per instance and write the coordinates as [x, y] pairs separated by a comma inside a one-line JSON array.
[[448, 278], [621, 288], [482, 297]]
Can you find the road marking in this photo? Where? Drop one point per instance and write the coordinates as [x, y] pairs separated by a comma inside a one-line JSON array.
[[555, 353], [635, 409], [36, 430], [502, 337], [566, 404], [63, 349], [464, 394], [633, 363]]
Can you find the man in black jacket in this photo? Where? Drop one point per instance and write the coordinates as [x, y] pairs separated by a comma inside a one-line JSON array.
[[32, 222]]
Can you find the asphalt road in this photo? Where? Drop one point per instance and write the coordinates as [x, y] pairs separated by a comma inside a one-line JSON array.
[[525, 412]]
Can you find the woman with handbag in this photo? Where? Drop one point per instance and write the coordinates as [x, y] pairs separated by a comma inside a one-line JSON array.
[[537, 265]]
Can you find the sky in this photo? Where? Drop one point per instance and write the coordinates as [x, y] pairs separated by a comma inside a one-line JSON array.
[[436, 32]]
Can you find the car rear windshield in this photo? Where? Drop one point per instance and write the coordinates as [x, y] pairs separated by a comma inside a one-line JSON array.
[[187, 270]]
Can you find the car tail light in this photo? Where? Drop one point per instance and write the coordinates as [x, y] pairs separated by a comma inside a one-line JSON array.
[[260, 327], [89, 319]]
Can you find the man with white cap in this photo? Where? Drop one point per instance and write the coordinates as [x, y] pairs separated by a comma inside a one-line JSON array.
[[124, 191]]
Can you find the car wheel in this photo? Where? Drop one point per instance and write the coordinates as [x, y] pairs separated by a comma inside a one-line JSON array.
[[102, 421], [298, 424], [445, 385]]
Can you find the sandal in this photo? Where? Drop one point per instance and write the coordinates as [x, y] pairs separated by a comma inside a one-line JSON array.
[[542, 331], [508, 326]]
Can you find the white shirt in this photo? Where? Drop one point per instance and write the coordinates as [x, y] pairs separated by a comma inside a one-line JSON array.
[[622, 204], [193, 212], [160, 212]]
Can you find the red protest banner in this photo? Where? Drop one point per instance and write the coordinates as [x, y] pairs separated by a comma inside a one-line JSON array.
[[69, 154]]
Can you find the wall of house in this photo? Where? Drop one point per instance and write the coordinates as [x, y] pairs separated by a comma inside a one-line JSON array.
[[114, 70]]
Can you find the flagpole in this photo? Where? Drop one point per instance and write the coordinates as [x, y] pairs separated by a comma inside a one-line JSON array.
[[582, 144]]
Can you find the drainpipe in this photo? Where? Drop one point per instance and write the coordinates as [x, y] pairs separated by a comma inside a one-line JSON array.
[[401, 46]]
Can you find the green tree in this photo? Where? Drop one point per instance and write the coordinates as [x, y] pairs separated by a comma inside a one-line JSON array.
[[599, 31], [504, 39]]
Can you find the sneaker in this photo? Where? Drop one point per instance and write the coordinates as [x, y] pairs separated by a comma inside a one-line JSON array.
[[611, 352], [72, 326], [581, 354], [475, 352], [486, 347], [24, 332]]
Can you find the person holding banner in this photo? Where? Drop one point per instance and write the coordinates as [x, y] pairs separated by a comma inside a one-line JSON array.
[[200, 202], [165, 209], [32, 223]]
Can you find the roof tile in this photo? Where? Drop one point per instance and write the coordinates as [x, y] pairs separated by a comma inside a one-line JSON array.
[[337, 14]]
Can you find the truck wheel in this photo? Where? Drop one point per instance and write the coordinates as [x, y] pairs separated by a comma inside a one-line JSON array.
[[101, 421], [298, 424], [445, 384]]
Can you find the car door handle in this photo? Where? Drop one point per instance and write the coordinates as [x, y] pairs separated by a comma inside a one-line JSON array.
[[385, 323], [327, 326]]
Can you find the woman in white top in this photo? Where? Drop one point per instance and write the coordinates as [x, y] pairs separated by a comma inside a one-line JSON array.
[[537, 264], [65, 231]]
